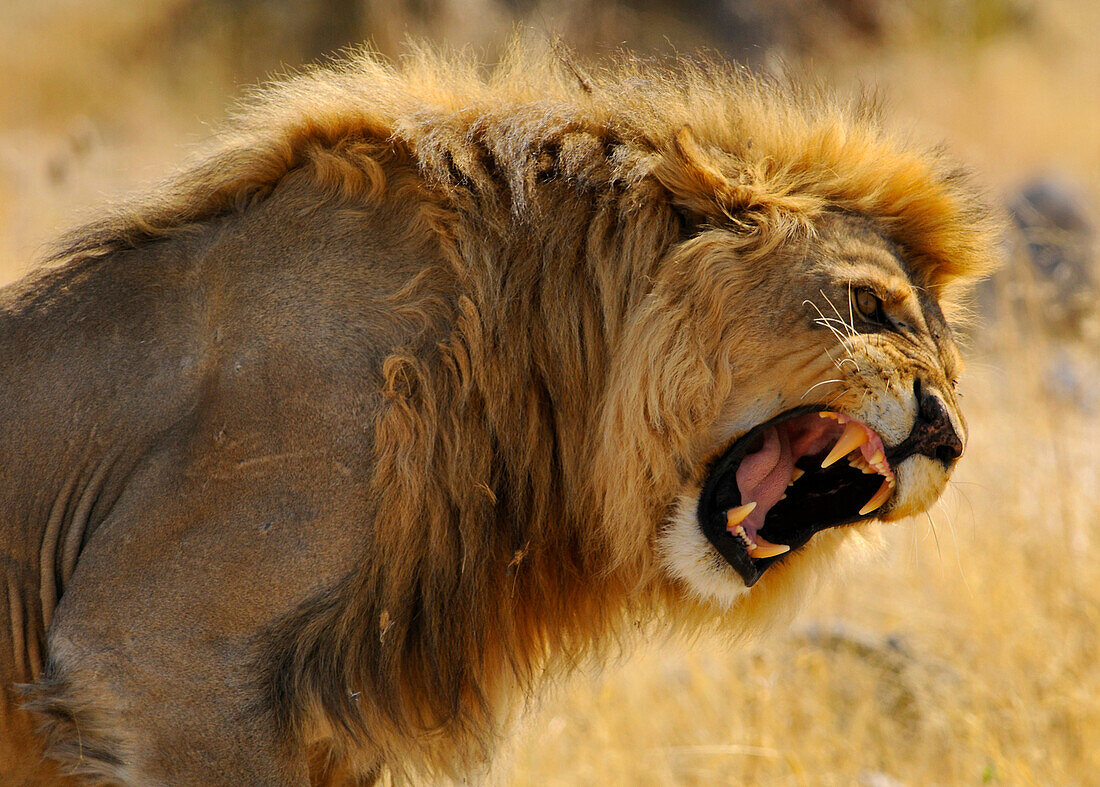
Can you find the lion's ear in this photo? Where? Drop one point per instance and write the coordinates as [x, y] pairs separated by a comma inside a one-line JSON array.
[[701, 193], [696, 188]]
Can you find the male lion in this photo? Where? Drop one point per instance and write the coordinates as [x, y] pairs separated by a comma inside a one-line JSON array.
[[424, 386]]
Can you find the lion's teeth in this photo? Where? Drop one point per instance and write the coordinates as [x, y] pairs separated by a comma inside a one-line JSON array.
[[758, 546], [765, 548], [854, 436], [863, 465], [796, 474], [735, 516], [877, 457], [879, 498]]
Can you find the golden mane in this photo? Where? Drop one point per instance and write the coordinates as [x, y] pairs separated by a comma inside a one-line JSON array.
[[778, 147], [508, 537]]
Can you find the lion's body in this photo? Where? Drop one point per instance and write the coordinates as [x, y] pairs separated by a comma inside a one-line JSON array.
[[211, 481], [319, 459]]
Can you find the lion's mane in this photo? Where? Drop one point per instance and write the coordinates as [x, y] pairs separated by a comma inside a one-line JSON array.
[[522, 460]]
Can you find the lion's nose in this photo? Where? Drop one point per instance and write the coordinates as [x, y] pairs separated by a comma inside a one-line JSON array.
[[933, 432]]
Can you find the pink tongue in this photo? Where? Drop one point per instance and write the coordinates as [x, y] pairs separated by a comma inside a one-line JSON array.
[[763, 476]]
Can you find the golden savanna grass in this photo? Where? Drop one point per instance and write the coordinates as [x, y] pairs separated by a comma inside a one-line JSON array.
[[969, 652]]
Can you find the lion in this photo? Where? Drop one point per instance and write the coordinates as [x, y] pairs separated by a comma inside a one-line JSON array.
[[428, 384]]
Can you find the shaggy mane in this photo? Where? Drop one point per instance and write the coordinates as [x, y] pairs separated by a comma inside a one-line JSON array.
[[513, 542], [780, 146]]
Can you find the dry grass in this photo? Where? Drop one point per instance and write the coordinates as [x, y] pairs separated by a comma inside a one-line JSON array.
[[968, 653]]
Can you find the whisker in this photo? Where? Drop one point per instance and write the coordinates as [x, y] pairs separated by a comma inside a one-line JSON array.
[[831, 323], [851, 316], [815, 385], [830, 402], [822, 320], [958, 556], [936, 537], [850, 326], [839, 364], [827, 322], [956, 489]]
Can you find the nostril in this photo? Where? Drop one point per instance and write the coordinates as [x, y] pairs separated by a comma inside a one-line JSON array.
[[947, 453]]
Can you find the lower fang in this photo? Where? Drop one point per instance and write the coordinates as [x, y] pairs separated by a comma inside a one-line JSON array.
[[765, 548], [880, 497]]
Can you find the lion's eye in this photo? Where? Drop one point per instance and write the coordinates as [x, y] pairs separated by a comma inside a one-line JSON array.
[[869, 306]]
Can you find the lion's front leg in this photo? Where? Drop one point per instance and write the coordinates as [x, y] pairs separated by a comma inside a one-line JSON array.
[[152, 675]]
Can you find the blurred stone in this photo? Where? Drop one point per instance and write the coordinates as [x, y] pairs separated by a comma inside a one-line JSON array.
[[1073, 380], [1052, 217], [1050, 281]]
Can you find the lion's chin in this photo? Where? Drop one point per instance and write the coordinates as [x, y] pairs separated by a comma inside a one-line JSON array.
[[699, 570], [690, 558]]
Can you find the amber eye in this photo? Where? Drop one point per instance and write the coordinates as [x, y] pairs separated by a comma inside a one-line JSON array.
[[869, 306]]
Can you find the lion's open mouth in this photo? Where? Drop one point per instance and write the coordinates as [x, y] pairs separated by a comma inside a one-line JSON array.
[[802, 472]]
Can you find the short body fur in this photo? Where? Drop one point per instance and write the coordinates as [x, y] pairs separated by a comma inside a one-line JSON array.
[[378, 412]]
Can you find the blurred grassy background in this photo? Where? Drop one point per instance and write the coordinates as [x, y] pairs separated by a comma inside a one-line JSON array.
[[969, 652]]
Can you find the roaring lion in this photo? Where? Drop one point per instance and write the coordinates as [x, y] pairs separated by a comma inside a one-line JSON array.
[[426, 385]]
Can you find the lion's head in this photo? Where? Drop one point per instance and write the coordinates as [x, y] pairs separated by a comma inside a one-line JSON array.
[[792, 371], [840, 407]]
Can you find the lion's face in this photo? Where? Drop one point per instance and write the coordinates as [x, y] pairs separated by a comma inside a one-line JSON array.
[[841, 405]]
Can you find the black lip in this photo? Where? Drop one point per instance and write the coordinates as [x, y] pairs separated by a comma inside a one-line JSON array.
[[720, 493]]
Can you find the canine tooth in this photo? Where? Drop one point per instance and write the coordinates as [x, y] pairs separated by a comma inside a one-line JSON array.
[[854, 436], [766, 548], [879, 497], [736, 515], [796, 474]]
